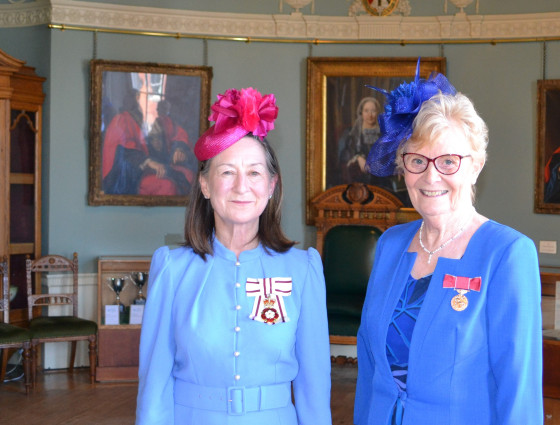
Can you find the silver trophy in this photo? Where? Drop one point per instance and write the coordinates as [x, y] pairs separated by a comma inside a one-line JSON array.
[[117, 284], [139, 279]]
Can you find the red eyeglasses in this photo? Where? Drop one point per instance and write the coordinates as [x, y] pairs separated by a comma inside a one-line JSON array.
[[445, 164]]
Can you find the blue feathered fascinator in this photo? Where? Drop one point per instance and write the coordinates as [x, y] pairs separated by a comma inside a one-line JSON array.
[[401, 107]]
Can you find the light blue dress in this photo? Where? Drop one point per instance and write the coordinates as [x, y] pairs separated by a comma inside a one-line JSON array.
[[203, 360]]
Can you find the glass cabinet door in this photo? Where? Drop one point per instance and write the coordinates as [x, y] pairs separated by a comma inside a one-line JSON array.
[[23, 208], [21, 105]]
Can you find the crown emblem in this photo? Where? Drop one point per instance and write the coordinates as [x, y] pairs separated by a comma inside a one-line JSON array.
[[269, 302]]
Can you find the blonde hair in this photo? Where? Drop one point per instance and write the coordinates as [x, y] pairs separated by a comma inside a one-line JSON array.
[[440, 113]]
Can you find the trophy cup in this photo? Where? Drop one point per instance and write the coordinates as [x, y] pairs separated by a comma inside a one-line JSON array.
[[117, 284], [139, 279]]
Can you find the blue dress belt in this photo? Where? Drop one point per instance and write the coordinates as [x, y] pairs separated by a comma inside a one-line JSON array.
[[233, 400]]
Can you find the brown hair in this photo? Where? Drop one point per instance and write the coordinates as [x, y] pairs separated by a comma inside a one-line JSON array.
[[199, 217]]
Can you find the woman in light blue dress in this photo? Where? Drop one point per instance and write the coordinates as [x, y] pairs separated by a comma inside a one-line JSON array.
[[235, 320]]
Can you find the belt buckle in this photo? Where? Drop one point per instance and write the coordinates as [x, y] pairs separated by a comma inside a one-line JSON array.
[[235, 396]]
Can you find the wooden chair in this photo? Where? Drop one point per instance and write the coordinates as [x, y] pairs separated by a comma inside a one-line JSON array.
[[350, 219], [59, 328], [12, 336]]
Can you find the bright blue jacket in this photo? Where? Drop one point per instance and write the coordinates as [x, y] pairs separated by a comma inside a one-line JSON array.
[[197, 332], [479, 366]]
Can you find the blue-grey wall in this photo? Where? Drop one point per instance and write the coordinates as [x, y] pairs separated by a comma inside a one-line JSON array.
[[500, 79]]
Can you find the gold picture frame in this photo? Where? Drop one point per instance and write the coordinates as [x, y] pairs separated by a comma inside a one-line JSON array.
[[547, 176], [335, 87], [144, 121]]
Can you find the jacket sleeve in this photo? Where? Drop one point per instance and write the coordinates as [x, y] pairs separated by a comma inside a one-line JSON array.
[[366, 362], [312, 386], [515, 334], [157, 347]]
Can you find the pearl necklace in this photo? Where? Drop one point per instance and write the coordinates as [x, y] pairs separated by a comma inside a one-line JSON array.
[[443, 245]]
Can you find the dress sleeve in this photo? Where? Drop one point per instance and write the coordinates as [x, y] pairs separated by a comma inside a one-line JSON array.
[[157, 347], [515, 334], [366, 362], [312, 386]]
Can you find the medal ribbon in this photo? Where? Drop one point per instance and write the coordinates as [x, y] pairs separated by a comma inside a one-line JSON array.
[[461, 282], [269, 288]]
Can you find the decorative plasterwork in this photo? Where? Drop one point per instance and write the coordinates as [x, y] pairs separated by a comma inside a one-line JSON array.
[[286, 26], [25, 14]]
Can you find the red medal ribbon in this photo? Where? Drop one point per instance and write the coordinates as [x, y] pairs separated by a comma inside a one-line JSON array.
[[462, 282]]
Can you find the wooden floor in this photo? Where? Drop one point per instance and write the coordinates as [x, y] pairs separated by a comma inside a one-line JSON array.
[[61, 398]]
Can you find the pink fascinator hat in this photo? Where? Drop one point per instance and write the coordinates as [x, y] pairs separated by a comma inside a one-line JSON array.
[[236, 114]]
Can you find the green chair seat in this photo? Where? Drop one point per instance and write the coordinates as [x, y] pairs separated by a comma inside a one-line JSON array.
[[10, 334], [60, 327]]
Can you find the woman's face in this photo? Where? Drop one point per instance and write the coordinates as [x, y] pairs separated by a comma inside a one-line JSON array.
[[435, 194], [238, 184], [369, 115]]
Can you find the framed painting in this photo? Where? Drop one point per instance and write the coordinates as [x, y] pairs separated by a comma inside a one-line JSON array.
[[144, 121], [342, 119], [547, 179]]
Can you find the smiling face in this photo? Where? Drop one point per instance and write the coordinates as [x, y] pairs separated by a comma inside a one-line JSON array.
[[238, 184], [434, 194]]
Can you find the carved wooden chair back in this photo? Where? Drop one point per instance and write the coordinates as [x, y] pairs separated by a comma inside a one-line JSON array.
[[358, 204], [46, 264]]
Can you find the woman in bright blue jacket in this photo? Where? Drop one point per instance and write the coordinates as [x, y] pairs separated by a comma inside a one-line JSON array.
[[451, 324], [235, 321]]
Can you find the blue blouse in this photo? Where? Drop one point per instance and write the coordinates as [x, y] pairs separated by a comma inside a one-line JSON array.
[[399, 335]]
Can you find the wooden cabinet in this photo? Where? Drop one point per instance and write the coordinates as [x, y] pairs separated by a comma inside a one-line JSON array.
[[551, 369], [550, 302], [21, 100], [117, 358]]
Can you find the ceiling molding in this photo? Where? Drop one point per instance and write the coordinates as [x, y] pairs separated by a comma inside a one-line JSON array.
[[25, 14], [362, 28]]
